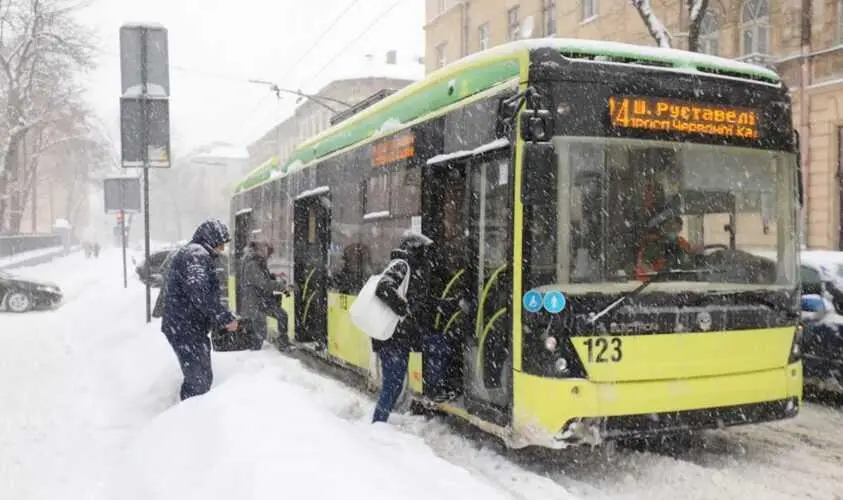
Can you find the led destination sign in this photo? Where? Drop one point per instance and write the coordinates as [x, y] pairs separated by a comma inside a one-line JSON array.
[[668, 115], [393, 149]]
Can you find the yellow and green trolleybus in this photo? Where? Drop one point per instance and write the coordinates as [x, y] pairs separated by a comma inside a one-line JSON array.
[[545, 170]]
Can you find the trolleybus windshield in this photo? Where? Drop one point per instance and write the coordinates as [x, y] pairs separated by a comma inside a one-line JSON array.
[[626, 210]]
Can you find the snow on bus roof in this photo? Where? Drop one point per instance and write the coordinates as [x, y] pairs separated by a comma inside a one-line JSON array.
[[688, 61], [681, 61]]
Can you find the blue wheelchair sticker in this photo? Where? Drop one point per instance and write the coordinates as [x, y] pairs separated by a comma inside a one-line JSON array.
[[554, 302], [533, 301]]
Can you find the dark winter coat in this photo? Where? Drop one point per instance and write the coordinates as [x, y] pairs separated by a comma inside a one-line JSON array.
[[420, 306], [158, 309], [258, 287], [192, 304]]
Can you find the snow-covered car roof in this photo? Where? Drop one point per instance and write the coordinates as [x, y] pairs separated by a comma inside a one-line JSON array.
[[816, 258]]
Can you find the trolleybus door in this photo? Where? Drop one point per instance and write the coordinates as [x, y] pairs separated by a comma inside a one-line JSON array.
[[310, 272], [445, 219], [242, 231], [487, 353]]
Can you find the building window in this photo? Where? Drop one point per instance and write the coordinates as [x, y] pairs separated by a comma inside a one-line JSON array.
[[755, 30], [440, 55], [550, 17], [709, 42], [483, 36], [589, 9], [514, 27]]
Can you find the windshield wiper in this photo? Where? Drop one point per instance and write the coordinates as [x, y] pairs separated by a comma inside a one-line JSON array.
[[593, 317]]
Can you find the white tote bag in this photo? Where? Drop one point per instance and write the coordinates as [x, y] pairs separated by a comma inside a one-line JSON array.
[[370, 314]]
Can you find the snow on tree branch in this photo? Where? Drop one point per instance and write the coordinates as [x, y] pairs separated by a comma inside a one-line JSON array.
[[654, 25], [43, 49], [696, 15], [695, 9]]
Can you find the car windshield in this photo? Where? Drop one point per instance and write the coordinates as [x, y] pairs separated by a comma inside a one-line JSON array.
[[721, 217]]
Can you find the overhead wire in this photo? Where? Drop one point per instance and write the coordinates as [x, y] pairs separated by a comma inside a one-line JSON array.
[[345, 48], [356, 39], [322, 35], [253, 111]]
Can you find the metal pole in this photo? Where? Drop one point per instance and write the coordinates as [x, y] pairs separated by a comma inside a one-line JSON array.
[[145, 150], [123, 240]]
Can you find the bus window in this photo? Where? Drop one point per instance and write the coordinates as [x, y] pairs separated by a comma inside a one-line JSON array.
[[377, 194]]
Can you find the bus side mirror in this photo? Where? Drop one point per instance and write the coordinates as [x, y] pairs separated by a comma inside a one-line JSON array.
[[536, 125], [539, 172]]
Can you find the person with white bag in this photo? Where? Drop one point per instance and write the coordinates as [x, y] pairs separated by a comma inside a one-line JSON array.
[[405, 288]]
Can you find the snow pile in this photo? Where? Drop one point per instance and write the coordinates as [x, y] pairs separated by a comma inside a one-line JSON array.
[[255, 436], [94, 414], [19, 258]]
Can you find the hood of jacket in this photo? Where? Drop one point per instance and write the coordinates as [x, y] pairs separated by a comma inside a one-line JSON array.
[[211, 234], [414, 248]]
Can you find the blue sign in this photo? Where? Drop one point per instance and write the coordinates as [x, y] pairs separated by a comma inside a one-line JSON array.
[[554, 302], [533, 301]]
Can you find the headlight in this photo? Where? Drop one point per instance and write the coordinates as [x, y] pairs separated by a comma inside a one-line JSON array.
[[561, 365], [796, 346], [49, 289]]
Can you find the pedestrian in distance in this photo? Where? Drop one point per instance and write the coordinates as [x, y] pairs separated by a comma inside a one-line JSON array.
[[192, 305]]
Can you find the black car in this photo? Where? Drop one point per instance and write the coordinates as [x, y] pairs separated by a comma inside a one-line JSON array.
[[21, 295], [151, 271]]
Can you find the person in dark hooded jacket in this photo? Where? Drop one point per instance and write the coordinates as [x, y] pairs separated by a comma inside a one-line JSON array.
[[416, 309], [192, 305]]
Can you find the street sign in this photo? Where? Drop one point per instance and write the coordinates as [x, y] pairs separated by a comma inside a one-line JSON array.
[[122, 194], [156, 132], [144, 114], [144, 44]]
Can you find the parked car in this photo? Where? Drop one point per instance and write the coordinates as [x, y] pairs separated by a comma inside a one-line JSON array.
[[822, 317], [21, 294], [822, 344], [151, 271]]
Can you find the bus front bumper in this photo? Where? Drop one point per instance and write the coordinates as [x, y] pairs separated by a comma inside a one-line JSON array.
[[557, 413]]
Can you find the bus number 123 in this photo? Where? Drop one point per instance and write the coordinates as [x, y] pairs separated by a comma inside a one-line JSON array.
[[604, 350]]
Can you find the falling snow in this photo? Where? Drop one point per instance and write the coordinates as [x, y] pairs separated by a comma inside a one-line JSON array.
[[92, 413]]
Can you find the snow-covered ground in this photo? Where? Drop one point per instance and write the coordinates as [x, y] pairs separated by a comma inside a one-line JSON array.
[[88, 410]]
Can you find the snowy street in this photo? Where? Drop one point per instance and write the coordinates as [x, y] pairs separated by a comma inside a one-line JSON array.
[[89, 412]]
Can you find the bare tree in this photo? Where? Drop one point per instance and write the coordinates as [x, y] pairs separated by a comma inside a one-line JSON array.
[[660, 33], [42, 48], [69, 126], [76, 164], [696, 14]]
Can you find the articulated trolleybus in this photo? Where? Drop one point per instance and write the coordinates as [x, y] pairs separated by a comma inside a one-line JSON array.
[[599, 205]]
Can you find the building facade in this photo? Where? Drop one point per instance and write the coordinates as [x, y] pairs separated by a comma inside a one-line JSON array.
[[199, 185], [801, 39], [313, 115]]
